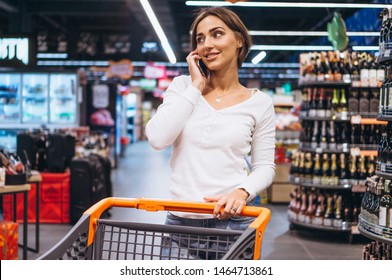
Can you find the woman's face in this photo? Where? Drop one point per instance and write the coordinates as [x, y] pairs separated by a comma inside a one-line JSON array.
[[217, 44]]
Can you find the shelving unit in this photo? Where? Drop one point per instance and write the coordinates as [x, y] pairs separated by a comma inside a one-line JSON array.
[[351, 188], [287, 134], [369, 228]]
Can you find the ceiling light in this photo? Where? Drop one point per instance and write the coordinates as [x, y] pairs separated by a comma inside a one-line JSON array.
[[307, 33], [259, 57], [291, 48], [366, 48], [52, 55], [158, 29], [288, 5], [307, 48]]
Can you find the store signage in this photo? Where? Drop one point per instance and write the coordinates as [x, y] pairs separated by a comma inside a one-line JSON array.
[[100, 96], [122, 69], [147, 84], [15, 52], [152, 71]]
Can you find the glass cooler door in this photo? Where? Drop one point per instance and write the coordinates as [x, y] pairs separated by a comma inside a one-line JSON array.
[[35, 98], [63, 98], [9, 98]]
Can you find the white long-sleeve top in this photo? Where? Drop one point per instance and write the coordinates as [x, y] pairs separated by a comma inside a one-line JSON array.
[[210, 146]]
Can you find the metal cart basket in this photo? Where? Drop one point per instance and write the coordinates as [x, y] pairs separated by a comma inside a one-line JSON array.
[[104, 239]]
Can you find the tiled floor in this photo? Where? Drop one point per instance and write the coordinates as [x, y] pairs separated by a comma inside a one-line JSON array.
[[144, 172]]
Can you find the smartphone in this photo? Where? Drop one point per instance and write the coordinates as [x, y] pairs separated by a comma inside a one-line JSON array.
[[202, 67]]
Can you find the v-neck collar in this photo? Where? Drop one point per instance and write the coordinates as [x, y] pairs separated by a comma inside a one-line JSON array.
[[253, 92]]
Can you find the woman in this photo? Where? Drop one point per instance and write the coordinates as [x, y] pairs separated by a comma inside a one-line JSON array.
[[213, 123]]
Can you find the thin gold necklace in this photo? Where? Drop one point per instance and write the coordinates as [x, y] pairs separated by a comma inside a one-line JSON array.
[[219, 98]]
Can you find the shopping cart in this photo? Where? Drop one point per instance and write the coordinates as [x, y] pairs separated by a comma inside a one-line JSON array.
[[103, 239]]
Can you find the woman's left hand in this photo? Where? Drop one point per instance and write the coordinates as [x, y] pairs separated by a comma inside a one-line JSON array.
[[232, 202]]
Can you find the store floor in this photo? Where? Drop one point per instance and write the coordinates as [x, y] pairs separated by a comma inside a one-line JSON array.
[[144, 172]]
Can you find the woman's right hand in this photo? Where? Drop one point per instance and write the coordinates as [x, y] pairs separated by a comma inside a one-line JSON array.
[[198, 79]]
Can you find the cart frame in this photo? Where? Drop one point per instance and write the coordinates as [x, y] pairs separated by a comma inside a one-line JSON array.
[[84, 241]]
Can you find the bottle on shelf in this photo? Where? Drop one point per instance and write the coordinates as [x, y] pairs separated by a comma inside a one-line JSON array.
[[343, 106], [385, 217], [335, 102], [326, 170], [324, 136], [317, 170], [334, 178], [353, 100], [329, 213], [338, 210], [332, 139]]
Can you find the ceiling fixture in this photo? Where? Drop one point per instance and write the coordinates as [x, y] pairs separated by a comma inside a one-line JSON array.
[[308, 33], [306, 48], [158, 29], [288, 5], [259, 57]]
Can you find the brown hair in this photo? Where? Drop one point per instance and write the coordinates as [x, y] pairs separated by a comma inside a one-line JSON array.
[[232, 21]]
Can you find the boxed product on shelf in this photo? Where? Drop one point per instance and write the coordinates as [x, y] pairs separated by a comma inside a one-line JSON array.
[[8, 240]]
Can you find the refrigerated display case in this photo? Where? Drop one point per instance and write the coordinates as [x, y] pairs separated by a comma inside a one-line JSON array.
[[9, 97], [30, 100], [63, 101], [35, 98]]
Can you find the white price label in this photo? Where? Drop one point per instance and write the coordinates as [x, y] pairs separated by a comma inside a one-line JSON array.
[[382, 167], [319, 150], [355, 151], [356, 119], [387, 53]]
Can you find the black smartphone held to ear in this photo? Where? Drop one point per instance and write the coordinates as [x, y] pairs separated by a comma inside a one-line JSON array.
[[202, 67]]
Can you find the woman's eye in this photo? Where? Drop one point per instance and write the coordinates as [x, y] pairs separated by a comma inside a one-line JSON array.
[[217, 34], [199, 40]]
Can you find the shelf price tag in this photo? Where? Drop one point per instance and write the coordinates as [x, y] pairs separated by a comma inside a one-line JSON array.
[[355, 151], [356, 119], [383, 168], [387, 53], [319, 150]]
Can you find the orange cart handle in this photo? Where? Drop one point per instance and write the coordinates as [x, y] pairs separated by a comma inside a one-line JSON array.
[[95, 211], [163, 205]]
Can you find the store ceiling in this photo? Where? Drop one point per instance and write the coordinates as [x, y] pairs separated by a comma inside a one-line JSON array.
[[67, 19]]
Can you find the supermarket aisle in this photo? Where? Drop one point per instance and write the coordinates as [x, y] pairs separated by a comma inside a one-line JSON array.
[[145, 173]]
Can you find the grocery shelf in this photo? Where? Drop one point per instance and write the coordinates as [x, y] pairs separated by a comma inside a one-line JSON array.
[[299, 182], [374, 231], [332, 118], [384, 175], [322, 84], [384, 118], [385, 60], [358, 119], [344, 227]]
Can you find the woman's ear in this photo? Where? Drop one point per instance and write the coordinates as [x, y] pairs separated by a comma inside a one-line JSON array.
[[240, 43]]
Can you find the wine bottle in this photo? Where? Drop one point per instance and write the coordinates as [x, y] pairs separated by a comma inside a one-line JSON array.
[[343, 174], [308, 167], [355, 78], [323, 137], [304, 107], [364, 101], [326, 171], [320, 109], [353, 167], [353, 100], [329, 215], [332, 140], [343, 106], [364, 70], [315, 136], [334, 179], [335, 102], [317, 170], [384, 218], [362, 168], [320, 210], [337, 222], [313, 103]]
